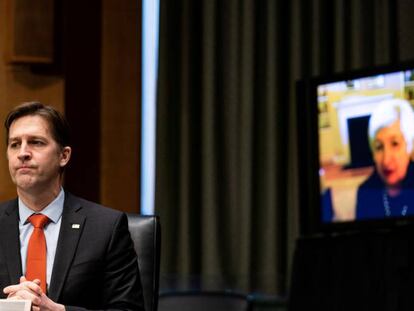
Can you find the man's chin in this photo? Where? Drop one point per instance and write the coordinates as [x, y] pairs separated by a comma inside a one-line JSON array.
[[25, 184]]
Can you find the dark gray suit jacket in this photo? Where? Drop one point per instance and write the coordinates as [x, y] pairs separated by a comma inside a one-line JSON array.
[[95, 265]]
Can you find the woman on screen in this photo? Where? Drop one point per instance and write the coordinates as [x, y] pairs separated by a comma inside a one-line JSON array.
[[389, 190]]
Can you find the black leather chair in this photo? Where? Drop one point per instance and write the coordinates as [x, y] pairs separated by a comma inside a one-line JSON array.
[[204, 301], [146, 234]]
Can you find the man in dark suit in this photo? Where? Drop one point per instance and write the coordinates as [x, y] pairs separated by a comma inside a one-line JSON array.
[[90, 262]]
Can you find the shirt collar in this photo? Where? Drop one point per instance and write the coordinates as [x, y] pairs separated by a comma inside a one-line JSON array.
[[53, 210]]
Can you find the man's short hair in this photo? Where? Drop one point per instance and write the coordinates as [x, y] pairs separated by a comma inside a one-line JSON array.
[[57, 123], [389, 111]]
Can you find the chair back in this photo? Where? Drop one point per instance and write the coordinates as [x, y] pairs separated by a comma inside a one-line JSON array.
[[146, 234]]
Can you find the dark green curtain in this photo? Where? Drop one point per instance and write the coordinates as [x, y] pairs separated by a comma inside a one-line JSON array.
[[226, 181]]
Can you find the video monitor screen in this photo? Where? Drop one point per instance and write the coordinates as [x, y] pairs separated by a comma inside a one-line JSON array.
[[366, 136]]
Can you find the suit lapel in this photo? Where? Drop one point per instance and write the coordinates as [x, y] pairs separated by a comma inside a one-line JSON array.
[[10, 242], [67, 243]]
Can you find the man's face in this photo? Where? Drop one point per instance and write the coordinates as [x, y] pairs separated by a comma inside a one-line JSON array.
[[35, 159], [390, 154]]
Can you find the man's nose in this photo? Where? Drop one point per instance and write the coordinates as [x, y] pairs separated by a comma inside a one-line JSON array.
[[24, 152]]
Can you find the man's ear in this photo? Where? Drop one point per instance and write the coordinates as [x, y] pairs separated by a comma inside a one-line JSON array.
[[65, 156]]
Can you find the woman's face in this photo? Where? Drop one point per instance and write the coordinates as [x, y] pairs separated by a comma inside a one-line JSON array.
[[390, 154]]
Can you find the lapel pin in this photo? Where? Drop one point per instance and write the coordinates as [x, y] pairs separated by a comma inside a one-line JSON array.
[[75, 226]]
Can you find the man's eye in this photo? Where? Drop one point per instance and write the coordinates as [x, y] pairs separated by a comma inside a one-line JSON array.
[[37, 143], [14, 145]]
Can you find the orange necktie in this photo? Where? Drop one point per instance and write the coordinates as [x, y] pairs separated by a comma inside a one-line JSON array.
[[36, 251]]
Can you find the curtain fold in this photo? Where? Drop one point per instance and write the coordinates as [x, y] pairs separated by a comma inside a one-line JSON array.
[[226, 183]]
